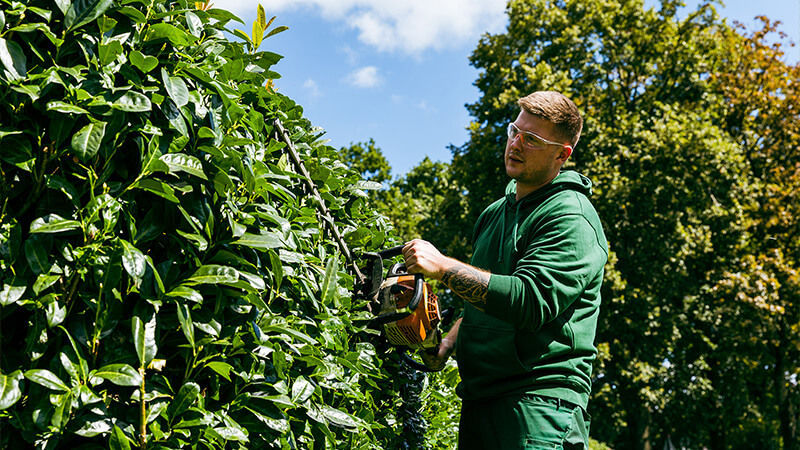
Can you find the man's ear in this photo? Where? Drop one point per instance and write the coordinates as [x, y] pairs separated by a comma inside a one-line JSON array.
[[566, 151]]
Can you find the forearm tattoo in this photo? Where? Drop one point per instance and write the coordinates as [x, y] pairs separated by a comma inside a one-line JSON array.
[[469, 283]]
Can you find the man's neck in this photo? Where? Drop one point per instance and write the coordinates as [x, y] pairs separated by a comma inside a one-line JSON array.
[[524, 189]]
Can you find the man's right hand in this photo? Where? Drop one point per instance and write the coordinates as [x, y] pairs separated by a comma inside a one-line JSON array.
[[436, 358]]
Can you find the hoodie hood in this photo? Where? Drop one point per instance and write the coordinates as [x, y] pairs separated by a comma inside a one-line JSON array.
[[565, 180], [568, 179]]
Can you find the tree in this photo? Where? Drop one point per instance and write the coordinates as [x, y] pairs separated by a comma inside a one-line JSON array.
[[763, 102], [367, 159]]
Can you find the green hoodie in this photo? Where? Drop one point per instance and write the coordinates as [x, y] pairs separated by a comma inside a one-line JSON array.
[[546, 254]]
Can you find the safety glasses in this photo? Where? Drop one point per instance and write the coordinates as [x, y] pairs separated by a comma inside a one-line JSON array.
[[530, 140]]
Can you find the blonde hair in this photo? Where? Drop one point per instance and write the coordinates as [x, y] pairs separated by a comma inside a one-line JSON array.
[[558, 109]]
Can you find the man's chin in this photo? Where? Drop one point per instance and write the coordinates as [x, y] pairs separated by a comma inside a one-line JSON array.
[[513, 172]]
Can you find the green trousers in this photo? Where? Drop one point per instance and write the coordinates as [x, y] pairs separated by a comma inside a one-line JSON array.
[[522, 422]]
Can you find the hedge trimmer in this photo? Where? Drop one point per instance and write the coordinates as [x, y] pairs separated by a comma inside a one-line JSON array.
[[404, 305]]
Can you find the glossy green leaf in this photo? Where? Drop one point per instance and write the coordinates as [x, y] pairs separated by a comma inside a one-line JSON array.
[[159, 283], [133, 102], [37, 257], [13, 60], [136, 15], [222, 368], [242, 35], [337, 418], [300, 336], [276, 30], [53, 223], [43, 282], [213, 274], [72, 369], [133, 260], [109, 52], [47, 379], [81, 12], [143, 62], [18, 152], [187, 293], [11, 293], [59, 106], [256, 281], [277, 268], [169, 32], [119, 374], [185, 319], [223, 15], [231, 434], [86, 142], [93, 426], [329, 288], [55, 312], [159, 188], [144, 338], [10, 391], [302, 390], [118, 440], [176, 88], [194, 24], [63, 409], [175, 117], [108, 268], [81, 365], [104, 207], [266, 240], [185, 398], [179, 162]]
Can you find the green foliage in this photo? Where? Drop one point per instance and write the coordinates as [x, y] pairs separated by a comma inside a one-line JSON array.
[[367, 159], [165, 280]]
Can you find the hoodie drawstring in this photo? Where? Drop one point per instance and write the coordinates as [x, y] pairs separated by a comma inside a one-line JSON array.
[[503, 231], [516, 226]]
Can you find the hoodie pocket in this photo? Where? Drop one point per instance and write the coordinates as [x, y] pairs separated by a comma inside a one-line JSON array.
[[487, 355]]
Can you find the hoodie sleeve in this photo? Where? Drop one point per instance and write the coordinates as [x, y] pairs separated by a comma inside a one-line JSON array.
[[561, 258]]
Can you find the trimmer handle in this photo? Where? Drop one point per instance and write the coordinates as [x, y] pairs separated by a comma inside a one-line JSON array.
[[369, 283], [391, 252]]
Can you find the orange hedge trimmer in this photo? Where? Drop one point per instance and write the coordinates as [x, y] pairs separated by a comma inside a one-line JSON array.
[[404, 305]]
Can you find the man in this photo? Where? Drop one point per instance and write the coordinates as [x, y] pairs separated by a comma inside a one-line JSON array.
[[525, 343]]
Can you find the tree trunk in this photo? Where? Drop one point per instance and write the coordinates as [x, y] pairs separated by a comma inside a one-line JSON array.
[[787, 404], [718, 438], [641, 419]]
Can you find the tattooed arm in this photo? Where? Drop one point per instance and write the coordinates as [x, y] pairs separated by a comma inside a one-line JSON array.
[[470, 283]]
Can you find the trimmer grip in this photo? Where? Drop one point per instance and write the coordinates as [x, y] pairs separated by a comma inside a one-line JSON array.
[[391, 252]]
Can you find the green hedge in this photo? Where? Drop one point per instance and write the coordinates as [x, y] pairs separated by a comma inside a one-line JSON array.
[[166, 281]]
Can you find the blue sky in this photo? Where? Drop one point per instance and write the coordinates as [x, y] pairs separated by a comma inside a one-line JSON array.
[[398, 71]]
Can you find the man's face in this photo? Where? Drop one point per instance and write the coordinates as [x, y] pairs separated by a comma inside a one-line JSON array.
[[531, 168]]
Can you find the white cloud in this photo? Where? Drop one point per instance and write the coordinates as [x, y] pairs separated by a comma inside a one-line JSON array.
[[312, 88], [408, 26], [365, 77]]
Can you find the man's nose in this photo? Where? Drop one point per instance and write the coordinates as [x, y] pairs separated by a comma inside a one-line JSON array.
[[516, 141]]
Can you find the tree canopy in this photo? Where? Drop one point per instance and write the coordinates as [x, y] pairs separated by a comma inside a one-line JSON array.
[[691, 138]]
